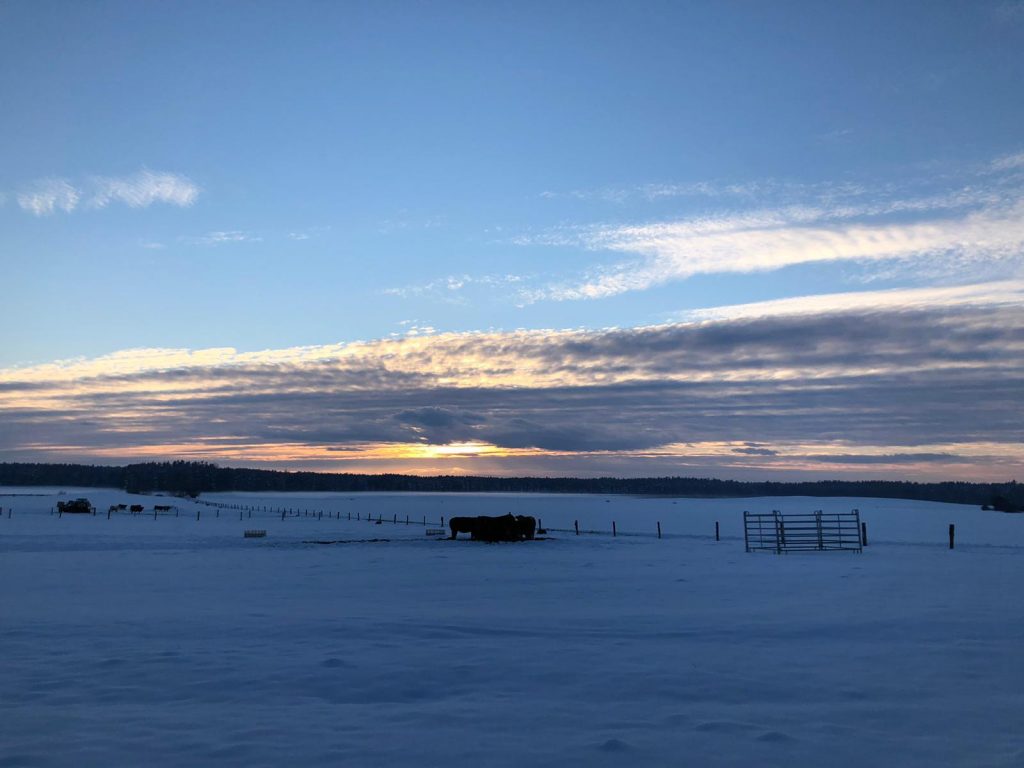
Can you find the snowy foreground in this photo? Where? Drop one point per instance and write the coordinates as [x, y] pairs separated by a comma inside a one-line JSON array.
[[172, 641]]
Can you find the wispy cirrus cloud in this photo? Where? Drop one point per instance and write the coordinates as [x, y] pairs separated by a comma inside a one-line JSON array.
[[971, 222], [46, 196], [774, 239], [142, 189], [446, 288], [137, 190], [1008, 293], [1009, 162], [220, 237]]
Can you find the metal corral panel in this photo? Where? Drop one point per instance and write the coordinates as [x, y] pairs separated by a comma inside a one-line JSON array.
[[812, 532]]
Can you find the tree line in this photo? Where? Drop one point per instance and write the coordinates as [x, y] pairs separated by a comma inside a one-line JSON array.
[[192, 478]]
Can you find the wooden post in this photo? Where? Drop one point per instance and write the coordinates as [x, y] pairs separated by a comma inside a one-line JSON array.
[[282, 515], [154, 511], [394, 519], [614, 533], [716, 531], [952, 534], [576, 525], [406, 519], [321, 515], [442, 521], [659, 529], [349, 515], [863, 534], [250, 514], [424, 521], [239, 514], [108, 514], [197, 515]]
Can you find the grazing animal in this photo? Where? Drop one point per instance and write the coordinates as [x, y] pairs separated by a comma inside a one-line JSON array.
[[161, 508], [76, 507], [527, 526], [122, 507], [136, 508], [485, 528]]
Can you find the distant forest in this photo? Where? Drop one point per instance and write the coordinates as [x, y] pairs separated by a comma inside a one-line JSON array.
[[192, 478]]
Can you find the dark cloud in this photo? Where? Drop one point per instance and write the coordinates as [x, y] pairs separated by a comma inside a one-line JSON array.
[[898, 379], [753, 449], [888, 458]]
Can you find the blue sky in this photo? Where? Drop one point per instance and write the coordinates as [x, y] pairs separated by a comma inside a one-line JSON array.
[[272, 176]]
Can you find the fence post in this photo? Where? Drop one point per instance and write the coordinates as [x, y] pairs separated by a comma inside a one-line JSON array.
[[442, 521], [613, 529], [576, 524], [952, 534], [659, 529], [154, 511], [197, 515], [817, 523], [394, 519], [863, 534], [716, 531], [424, 521], [406, 519], [282, 515], [108, 513]]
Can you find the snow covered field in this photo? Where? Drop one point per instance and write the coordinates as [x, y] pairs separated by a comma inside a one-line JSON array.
[[172, 641]]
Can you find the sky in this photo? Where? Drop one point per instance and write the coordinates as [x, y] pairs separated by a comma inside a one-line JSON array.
[[740, 240]]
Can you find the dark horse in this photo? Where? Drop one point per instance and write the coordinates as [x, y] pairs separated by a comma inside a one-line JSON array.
[[503, 528]]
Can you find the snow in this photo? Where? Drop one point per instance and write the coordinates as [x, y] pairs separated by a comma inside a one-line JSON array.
[[173, 641]]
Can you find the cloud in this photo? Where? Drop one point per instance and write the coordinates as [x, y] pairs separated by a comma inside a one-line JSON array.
[[1005, 292], [967, 222], [1010, 162], [775, 239], [929, 388], [446, 288], [142, 189], [138, 190], [49, 195], [224, 236]]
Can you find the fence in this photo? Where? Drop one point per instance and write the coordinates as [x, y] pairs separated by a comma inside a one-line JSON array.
[[813, 532]]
